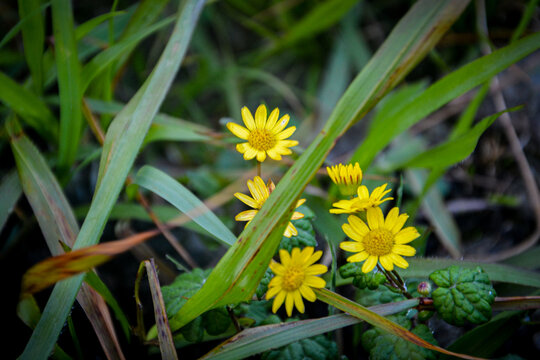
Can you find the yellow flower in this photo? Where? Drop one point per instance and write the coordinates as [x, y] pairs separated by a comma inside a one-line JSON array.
[[264, 137], [295, 277], [363, 202], [347, 177], [260, 193], [381, 240]]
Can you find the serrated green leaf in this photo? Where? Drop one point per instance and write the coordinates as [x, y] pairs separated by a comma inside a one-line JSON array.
[[182, 288], [361, 280], [305, 237], [263, 285], [315, 348], [464, 295], [216, 321]]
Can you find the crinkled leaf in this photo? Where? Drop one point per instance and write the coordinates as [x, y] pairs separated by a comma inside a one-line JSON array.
[[182, 288], [306, 233], [382, 296], [259, 311], [464, 295], [263, 285], [315, 348], [216, 321], [361, 280], [382, 345]]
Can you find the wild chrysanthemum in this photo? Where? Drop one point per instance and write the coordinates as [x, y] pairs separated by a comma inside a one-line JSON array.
[[347, 177], [260, 193], [363, 202], [295, 277], [264, 137], [381, 240]]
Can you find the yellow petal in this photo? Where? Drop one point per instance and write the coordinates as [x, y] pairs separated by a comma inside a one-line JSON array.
[[250, 153], [363, 192], [316, 269], [278, 301], [285, 257], [313, 258], [277, 268], [272, 119], [274, 154], [249, 201], [314, 281], [405, 250], [351, 246], [287, 143], [391, 218], [306, 254], [246, 215], [307, 293], [281, 124], [361, 256], [290, 230], [386, 262], [248, 119], [289, 303], [369, 264], [297, 215], [275, 282], [260, 117], [406, 235], [399, 223], [298, 301], [359, 226], [399, 261], [272, 291], [261, 156], [375, 218], [295, 254], [238, 130], [286, 133]]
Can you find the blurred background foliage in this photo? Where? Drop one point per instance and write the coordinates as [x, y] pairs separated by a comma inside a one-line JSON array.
[[299, 56]]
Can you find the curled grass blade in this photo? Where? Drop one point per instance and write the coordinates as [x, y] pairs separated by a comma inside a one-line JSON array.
[[124, 138], [377, 320], [263, 338]]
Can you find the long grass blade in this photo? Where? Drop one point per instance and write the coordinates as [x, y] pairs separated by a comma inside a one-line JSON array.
[[10, 192], [33, 33], [124, 138]]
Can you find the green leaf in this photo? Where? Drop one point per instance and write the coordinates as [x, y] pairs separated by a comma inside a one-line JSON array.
[[216, 321], [315, 348], [122, 143], [305, 237], [263, 285], [361, 280], [179, 196], [167, 128], [182, 288], [69, 79], [383, 346], [448, 88], [463, 295], [33, 33], [10, 192], [236, 277]]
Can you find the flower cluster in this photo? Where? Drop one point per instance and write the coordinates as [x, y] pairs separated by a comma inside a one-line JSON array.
[[375, 238]]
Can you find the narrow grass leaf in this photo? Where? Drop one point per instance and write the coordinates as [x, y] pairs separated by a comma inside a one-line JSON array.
[[122, 143], [85, 28], [10, 192], [33, 34], [263, 338], [237, 275], [58, 224], [171, 190], [68, 68], [448, 88], [29, 107], [377, 320]]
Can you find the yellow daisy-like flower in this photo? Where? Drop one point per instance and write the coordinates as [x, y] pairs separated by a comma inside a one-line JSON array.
[[295, 277], [264, 137], [347, 177], [381, 240], [363, 202], [260, 193]]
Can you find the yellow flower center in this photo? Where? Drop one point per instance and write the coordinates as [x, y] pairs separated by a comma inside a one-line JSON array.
[[261, 139], [379, 242], [293, 278]]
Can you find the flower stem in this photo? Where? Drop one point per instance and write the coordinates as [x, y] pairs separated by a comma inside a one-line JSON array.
[[258, 168]]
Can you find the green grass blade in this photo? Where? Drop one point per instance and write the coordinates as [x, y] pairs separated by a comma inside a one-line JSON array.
[[85, 28], [123, 141], [33, 33], [105, 58], [165, 186], [236, 276], [440, 93], [57, 222], [263, 338], [29, 107], [10, 192], [68, 68]]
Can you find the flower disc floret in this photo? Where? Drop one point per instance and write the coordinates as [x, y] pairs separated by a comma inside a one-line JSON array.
[[380, 240], [264, 136], [260, 193], [294, 279], [347, 177], [363, 201]]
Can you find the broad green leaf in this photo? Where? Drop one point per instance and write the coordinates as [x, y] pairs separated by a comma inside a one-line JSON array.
[[463, 295], [174, 192], [456, 149], [29, 107], [33, 33], [262, 338], [182, 288], [361, 280], [378, 321], [236, 276], [58, 224], [440, 93], [10, 192], [69, 82], [123, 141]]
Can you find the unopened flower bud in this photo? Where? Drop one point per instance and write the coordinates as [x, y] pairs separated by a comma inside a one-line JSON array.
[[424, 288]]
